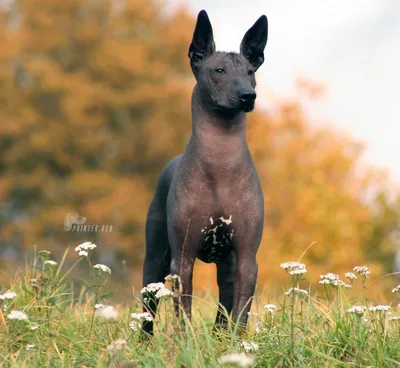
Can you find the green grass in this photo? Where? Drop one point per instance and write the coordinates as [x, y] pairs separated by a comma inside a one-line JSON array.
[[304, 330]]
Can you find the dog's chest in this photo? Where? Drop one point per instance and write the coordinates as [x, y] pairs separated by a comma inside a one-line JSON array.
[[216, 239]]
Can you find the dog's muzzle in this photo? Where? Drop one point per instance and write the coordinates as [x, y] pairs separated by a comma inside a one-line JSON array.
[[247, 100]]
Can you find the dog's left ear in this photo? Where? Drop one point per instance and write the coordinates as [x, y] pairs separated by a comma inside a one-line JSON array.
[[254, 42]]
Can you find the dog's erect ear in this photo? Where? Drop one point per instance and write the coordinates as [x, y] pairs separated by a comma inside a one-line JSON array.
[[202, 44], [254, 42]]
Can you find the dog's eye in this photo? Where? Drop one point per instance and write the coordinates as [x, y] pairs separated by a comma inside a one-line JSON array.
[[250, 72], [220, 70]]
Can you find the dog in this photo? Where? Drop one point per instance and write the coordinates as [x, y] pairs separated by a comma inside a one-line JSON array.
[[209, 202]]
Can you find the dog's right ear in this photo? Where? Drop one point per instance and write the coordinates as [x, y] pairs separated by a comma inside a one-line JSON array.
[[202, 44]]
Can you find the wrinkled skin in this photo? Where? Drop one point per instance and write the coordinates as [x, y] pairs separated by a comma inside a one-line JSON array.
[[209, 202]]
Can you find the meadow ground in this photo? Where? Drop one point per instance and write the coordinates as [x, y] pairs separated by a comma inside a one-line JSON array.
[[44, 323]]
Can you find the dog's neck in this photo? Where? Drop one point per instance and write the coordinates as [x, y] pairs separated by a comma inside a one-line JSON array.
[[216, 137]]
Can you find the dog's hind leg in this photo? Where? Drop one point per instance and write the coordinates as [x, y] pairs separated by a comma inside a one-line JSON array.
[[157, 261], [158, 252], [226, 273]]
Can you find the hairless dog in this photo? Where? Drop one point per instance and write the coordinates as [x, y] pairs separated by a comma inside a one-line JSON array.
[[209, 202]]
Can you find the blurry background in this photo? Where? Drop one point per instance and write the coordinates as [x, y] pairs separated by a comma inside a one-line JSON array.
[[95, 100]]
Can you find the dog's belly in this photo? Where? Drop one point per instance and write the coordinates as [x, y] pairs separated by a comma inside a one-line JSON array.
[[217, 240]]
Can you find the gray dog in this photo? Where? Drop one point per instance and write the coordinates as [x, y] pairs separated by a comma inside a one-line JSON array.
[[209, 202]]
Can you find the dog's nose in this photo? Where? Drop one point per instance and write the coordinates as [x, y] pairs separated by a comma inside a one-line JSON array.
[[248, 96]]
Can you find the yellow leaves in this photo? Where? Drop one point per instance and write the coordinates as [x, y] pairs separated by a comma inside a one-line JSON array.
[[95, 100]]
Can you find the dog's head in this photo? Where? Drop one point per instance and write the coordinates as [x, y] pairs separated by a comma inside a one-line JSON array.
[[226, 80], [73, 219]]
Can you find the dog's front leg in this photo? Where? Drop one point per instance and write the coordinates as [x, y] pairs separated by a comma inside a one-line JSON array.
[[245, 284], [246, 246], [183, 256], [183, 267]]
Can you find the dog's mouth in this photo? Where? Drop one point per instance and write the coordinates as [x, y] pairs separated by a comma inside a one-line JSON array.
[[247, 105]]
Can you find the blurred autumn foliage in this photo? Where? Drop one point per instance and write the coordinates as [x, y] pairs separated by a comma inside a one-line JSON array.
[[95, 99]]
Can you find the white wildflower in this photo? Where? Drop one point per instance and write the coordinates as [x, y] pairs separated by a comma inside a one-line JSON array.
[[142, 316], [258, 328], [329, 279], [294, 268], [102, 267], [394, 318], [84, 248], [296, 291], [396, 289], [379, 308], [19, 315], [171, 277], [240, 359], [250, 346], [350, 275], [99, 306], [344, 285], [252, 314], [270, 308], [30, 346], [357, 309], [107, 312], [333, 280], [34, 327], [8, 295], [164, 292], [152, 288], [34, 283], [362, 271], [118, 344], [50, 263], [44, 253], [134, 325]]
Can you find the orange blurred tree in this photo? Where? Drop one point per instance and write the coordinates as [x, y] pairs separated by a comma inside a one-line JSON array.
[[95, 99]]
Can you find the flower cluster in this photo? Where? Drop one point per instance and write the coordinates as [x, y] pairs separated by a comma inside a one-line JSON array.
[[362, 271], [50, 263], [138, 318], [294, 268], [44, 253], [254, 314], [17, 315], [8, 295], [250, 346], [107, 312], [296, 291], [103, 268], [157, 289], [84, 248], [333, 280], [118, 344], [240, 359], [270, 308], [396, 289], [142, 316], [379, 308], [171, 277], [350, 275], [357, 309]]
